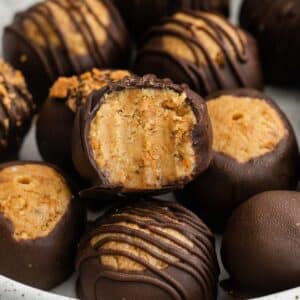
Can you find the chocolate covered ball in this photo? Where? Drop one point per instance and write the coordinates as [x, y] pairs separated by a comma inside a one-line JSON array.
[[55, 123], [260, 248], [142, 134], [148, 250], [275, 24], [64, 37], [16, 111], [254, 150], [140, 15], [203, 50], [41, 222]]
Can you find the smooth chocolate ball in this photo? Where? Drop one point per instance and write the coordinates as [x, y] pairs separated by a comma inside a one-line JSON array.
[[142, 135], [260, 248], [275, 24], [140, 15], [56, 38], [148, 250], [16, 111], [203, 50], [55, 122], [41, 222], [254, 150]]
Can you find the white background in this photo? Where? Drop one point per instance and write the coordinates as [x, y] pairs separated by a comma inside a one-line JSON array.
[[288, 100]]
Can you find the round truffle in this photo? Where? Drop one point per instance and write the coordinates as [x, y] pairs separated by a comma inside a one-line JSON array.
[[254, 150], [260, 248], [148, 250], [275, 24], [140, 15], [64, 37], [16, 111], [55, 123], [40, 223], [203, 50], [142, 134]]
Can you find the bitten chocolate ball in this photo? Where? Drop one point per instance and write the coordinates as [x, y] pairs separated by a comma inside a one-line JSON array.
[[148, 250], [203, 50], [55, 123], [64, 37], [16, 111], [260, 249], [255, 150], [40, 223], [275, 24], [140, 15], [142, 134]]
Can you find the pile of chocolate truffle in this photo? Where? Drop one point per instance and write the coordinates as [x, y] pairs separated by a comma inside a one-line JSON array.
[[137, 99]]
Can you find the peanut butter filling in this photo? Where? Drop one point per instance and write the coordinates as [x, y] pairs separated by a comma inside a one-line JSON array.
[[142, 138], [77, 88], [33, 198], [207, 35], [47, 19], [244, 128], [150, 253]]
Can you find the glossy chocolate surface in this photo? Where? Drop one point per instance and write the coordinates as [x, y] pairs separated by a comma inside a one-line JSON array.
[[227, 182], [168, 269]]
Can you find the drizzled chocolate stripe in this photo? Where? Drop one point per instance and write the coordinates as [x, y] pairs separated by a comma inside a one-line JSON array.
[[195, 70], [61, 61], [199, 260]]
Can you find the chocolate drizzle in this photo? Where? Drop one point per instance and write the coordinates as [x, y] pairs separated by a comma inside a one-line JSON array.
[[61, 60], [197, 262], [211, 75]]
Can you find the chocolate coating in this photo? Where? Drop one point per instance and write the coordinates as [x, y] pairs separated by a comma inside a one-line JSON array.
[[55, 122], [275, 24], [260, 248], [160, 265], [64, 37], [203, 50], [46, 261], [84, 162], [140, 15], [228, 182], [16, 111]]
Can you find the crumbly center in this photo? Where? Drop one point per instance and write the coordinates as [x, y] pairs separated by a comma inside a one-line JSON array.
[[138, 247], [244, 128], [211, 31], [142, 138], [44, 26], [33, 198]]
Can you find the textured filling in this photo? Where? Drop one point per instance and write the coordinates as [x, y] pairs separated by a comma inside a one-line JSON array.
[[149, 252], [142, 138], [76, 89], [211, 31], [34, 198], [44, 26], [244, 128]]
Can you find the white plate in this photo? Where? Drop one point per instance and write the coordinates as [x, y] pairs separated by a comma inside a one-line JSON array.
[[288, 100]]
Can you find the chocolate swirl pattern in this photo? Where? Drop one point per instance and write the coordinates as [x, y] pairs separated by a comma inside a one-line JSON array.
[[63, 37], [145, 250], [140, 15], [16, 111], [203, 50]]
